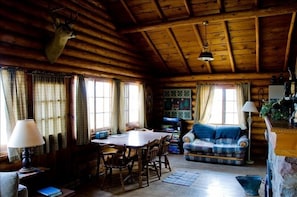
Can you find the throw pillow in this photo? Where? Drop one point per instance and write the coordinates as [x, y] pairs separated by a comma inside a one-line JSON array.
[[228, 131], [202, 131]]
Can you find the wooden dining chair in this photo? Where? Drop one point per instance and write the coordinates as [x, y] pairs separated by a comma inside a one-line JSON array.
[[118, 160], [163, 153], [150, 159]]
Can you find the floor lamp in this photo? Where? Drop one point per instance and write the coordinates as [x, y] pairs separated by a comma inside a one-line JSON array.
[[250, 107]]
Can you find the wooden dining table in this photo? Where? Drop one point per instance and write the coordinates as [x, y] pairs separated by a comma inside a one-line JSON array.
[[135, 139]]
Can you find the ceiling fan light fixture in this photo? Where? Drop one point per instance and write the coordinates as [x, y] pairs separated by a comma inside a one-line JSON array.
[[205, 56]]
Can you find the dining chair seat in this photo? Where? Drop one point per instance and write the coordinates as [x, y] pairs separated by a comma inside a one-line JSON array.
[[118, 160]]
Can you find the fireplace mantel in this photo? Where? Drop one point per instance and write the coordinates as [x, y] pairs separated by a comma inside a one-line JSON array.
[[283, 137]]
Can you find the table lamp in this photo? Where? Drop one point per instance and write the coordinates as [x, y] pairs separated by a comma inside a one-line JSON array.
[[25, 135], [250, 107]]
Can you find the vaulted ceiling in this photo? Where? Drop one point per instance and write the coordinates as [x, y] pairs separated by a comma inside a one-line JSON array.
[[244, 36]]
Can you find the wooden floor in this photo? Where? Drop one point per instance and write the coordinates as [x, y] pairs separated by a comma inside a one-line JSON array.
[[214, 180]]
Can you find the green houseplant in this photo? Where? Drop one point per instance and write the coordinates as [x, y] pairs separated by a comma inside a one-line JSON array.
[[279, 110]]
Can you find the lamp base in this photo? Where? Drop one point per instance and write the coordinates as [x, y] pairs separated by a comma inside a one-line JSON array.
[[249, 162], [25, 170]]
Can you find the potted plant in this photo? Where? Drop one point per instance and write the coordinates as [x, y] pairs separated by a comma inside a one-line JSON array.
[[279, 110]]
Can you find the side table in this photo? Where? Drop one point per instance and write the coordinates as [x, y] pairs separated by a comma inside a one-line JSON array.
[[34, 180]]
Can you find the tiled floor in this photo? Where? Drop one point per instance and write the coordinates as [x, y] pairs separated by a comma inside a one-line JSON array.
[[215, 180]]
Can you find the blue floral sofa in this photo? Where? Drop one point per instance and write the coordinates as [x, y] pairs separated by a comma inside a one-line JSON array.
[[224, 144]]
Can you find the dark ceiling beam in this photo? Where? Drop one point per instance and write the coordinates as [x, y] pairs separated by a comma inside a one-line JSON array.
[[179, 50], [158, 9], [257, 34], [123, 2], [199, 39], [219, 77], [220, 6], [155, 50], [145, 35], [229, 47], [188, 8], [289, 41], [227, 16]]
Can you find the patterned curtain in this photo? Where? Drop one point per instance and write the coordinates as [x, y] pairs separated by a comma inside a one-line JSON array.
[[14, 86], [50, 104], [82, 131]]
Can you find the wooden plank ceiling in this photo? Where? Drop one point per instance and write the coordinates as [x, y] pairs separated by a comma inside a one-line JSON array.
[[244, 36]]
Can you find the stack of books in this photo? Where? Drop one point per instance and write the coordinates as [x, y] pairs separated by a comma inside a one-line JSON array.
[[50, 191]]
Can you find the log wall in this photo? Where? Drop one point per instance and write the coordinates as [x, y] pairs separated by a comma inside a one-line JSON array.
[[97, 49]]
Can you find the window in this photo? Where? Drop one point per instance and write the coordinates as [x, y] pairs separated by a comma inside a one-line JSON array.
[[224, 110], [131, 103], [99, 104]]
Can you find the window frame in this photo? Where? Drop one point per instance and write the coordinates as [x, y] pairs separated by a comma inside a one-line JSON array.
[[94, 113], [127, 109]]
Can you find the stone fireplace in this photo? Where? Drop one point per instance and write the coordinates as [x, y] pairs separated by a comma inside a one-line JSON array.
[[282, 159]]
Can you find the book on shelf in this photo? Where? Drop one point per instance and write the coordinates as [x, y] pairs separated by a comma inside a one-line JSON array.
[[50, 191]]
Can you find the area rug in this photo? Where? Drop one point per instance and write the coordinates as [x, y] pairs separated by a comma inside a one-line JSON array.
[[182, 178]]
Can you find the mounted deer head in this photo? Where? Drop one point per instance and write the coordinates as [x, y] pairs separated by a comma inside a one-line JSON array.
[[63, 32]]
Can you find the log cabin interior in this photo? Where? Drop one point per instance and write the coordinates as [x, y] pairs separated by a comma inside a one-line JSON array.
[[154, 42]]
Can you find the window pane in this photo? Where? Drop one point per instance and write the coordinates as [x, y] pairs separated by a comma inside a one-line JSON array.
[[90, 88], [106, 120], [106, 105], [217, 108], [224, 108], [91, 105], [101, 105]]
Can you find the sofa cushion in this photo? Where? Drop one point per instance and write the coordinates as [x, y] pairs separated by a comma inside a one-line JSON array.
[[225, 141], [204, 131], [227, 131], [228, 148], [199, 146]]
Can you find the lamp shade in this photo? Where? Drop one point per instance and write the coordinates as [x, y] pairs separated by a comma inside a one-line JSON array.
[[249, 106], [25, 134], [205, 56]]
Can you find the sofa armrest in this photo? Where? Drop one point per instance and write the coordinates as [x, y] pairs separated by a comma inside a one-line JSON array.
[[22, 191], [243, 141], [9, 184], [189, 137]]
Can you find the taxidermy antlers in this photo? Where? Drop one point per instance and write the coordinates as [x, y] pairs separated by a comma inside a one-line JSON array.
[[63, 32]]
